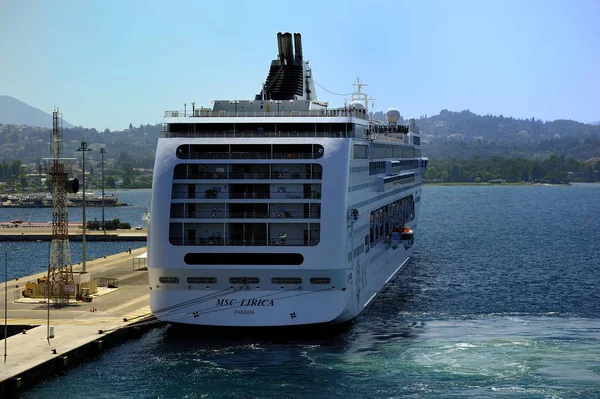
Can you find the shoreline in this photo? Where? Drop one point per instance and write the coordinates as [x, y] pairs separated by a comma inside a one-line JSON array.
[[486, 184]]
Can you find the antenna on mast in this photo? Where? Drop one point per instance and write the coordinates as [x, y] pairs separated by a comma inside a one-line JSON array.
[[359, 96]]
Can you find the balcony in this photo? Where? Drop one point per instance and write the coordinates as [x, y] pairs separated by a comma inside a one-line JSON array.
[[284, 215], [250, 151], [215, 242], [275, 175]]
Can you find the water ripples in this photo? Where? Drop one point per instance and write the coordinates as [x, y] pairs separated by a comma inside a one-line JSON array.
[[501, 299]]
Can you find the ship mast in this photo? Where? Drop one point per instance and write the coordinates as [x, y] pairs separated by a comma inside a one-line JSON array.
[[358, 95]]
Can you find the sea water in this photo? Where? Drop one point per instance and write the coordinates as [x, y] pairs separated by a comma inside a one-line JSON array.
[[501, 300], [32, 256]]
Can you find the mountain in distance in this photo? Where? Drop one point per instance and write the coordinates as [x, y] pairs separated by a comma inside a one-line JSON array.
[[15, 112], [466, 125], [464, 134], [595, 123]]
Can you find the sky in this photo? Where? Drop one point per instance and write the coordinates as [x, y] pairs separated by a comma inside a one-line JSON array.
[[110, 63]]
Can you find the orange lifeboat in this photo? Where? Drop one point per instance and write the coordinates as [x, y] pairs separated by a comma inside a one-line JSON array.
[[407, 234]]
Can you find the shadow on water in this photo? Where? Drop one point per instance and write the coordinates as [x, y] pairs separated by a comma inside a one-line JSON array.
[[279, 335], [384, 321]]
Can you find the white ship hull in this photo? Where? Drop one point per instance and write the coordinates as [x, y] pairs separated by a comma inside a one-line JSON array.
[[280, 211], [354, 283]]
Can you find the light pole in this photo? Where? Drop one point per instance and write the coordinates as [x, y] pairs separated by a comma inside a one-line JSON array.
[[6, 300], [102, 152], [84, 148]]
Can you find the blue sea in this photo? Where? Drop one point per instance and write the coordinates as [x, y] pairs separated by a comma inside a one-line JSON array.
[[33, 257], [501, 300]]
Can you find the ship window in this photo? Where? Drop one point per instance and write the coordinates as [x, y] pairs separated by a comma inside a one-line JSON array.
[[169, 280], [244, 280], [183, 152], [376, 168], [244, 259], [361, 151], [320, 280], [202, 280], [286, 280]]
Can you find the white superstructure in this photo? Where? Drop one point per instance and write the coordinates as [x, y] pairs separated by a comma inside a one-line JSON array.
[[280, 210]]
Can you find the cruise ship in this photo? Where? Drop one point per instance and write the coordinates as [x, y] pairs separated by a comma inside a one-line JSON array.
[[280, 210]]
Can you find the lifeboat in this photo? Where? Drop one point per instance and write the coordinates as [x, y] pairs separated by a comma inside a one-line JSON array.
[[407, 234]]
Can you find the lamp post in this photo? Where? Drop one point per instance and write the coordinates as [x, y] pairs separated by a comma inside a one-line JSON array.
[[6, 299], [83, 149], [102, 152]]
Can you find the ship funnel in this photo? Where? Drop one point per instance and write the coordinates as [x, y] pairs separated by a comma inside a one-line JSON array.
[[280, 46], [289, 76], [298, 46]]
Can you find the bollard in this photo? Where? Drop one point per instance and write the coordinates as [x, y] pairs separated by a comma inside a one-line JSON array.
[[54, 351], [17, 382]]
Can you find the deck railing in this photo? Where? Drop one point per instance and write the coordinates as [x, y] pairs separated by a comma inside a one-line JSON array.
[[255, 134], [250, 155], [215, 242], [322, 113], [285, 215], [382, 137], [248, 176]]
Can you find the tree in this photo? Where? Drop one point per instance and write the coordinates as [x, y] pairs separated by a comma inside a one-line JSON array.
[[23, 180], [536, 173], [513, 174], [126, 181]]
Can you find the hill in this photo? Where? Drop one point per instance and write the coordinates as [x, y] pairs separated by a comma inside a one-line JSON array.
[[465, 134], [15, 112]]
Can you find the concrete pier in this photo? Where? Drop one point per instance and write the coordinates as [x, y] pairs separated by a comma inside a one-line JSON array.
[[31, 356]]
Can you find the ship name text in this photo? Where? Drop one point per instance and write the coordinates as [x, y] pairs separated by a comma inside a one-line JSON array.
[[245, 302]]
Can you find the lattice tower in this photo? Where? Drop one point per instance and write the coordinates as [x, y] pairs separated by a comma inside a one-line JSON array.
[[60, 284]]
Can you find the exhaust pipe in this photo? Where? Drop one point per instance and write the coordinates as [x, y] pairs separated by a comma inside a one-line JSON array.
[[298, 46], [288, 49], [280, 46]]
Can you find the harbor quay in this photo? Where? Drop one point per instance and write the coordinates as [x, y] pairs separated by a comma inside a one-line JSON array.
[[78, 330], [43, 232]]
